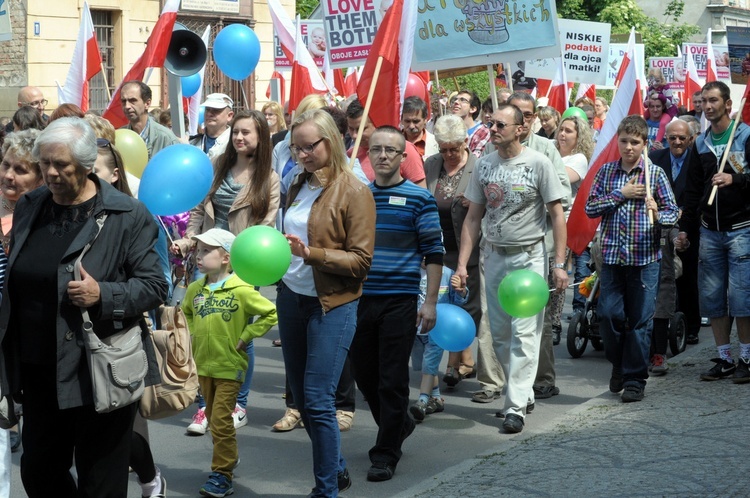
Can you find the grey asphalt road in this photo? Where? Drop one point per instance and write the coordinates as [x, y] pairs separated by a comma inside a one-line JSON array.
[[280, 464]]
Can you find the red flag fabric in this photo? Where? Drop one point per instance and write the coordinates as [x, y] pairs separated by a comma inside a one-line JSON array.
[[86, 63], [394, 42], [586, 90], [304, 73], [153, 56], [627, 101], [282, 86], [351, 80], [339, 82], [542, 87], [710, 58], [692, 81], [558, 94]]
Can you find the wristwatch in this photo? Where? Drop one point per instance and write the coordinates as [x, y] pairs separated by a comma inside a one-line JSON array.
[[560, 266]]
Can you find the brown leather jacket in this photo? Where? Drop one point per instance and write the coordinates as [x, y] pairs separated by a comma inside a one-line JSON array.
[[341, 235]]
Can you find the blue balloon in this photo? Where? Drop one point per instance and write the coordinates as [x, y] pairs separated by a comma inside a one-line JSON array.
[[454, 329], [237, 51], [175, 180], [201, 115], [190, 84]]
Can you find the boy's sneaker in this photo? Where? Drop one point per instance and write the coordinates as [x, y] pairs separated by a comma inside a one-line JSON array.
[[632, 393], [742, 374], [239, 416], [218, 486], [418, 410], [199, 425], [722, 370], [435, 405], [658, 365]]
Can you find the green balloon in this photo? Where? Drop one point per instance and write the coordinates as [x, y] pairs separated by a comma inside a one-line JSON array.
[[575, 112], [260, 255], [523, 293]]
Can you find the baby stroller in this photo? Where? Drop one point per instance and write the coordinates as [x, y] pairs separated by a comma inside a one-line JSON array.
[[584, 325]]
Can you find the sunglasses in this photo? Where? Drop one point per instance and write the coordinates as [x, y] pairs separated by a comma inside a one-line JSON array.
[[500, 125], [681, 138]]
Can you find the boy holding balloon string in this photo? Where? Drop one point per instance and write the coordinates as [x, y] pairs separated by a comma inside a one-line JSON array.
[[427, 353], [626, 193]]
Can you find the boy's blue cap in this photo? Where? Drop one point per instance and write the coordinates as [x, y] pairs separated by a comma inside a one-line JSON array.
[[216, 237]]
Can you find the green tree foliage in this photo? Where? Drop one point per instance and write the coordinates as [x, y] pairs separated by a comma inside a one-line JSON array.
[[305, 7]]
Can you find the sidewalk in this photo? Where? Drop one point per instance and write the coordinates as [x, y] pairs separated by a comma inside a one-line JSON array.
[[686, 438]]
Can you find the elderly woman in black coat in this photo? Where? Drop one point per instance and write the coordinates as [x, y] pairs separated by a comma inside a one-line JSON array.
[[44, 359]]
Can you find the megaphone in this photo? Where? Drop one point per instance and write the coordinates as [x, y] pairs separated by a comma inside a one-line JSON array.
[[186, 54]]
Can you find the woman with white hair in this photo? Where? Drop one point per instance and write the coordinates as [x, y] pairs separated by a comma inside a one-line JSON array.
[[40, 319]]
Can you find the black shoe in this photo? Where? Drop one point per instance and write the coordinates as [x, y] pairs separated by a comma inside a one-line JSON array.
[[513, 423], [632, 393], [345, 481], [615, 382], [742, 374], [544, 392], [530, 408], [380, 472], [451, 377], [556, 332], [15, 441], [691, 339], [499, 414], [722, 370]]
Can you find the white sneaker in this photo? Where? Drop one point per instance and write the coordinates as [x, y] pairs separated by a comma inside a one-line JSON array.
[[199, 426], [239, 415]]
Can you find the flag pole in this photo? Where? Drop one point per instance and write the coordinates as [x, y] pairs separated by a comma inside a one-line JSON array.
[[647, 174], [366, 114], [106, 83], [725, 155], [493, 92]]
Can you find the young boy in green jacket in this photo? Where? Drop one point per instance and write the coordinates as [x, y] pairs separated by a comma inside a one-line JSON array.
[[219, 309]]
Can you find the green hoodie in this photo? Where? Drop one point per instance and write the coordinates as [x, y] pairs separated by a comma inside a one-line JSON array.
[[218, 319]]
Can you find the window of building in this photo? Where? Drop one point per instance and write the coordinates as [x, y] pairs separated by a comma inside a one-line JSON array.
[[100, 88]]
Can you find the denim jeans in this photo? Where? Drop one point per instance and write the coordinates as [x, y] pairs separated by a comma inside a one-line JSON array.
[[315, 346], [581, 271], [724, 273], [626, 309]]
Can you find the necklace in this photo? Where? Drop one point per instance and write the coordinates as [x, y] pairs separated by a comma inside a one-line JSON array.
[[720, 138], [313, 187], [6, 206]]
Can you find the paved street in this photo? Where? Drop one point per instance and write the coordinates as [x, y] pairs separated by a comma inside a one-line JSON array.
[[685, 439]]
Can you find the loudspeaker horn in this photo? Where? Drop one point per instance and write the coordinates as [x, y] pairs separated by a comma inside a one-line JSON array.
[[186, 54]]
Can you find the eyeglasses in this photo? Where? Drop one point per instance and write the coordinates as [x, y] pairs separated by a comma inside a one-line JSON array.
[[36, 103], [528, 115], [307, 149], [463, 100], [376, 150], [452, 150], [681, 138], [500, 125]]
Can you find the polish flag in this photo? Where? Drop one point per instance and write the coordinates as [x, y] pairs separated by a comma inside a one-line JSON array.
[[282, 86], [692, 81], [558, 93], [306, 79], [586, 90], [87, 62], [351, 80], [627, 101], [543, 87], [194, 102], [153, 56], [710, 58], [394, 43]]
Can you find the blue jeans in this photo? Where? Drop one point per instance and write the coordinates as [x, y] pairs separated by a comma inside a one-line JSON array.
[[315, 346], [626, 309], [245, 388], [724, 273], [581, 269]]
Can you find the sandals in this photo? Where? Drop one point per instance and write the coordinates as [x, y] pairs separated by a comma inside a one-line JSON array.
[[469, 372], [345, 420], [451, 377], [290, 421]]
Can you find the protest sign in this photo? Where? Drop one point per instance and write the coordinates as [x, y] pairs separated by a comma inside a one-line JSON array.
[[585, 52], [668, 72], [480, 32], [5, 29], [313, 37], [699, 52], [616, 53], [350, 27], [224, 6], [738, 41]]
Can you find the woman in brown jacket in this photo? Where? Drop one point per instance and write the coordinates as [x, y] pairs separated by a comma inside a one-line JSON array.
[[330, 224]]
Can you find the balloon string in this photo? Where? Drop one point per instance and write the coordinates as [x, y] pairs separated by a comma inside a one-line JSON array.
[[171, 240], [568, 287]]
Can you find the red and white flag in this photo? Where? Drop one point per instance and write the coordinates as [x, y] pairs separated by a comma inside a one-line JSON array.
[[86, 63], [351, 80], [153, 56], [586, 90], [282, 86], [692, 81], [627, 101], [710, 59], [558, 93], [394, 42], [194, 102], [543, 87], [306, 79]]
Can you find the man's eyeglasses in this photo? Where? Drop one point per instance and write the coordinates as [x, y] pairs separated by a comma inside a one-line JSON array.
[[307, 149], [500, 125], [36, 103], [389, 151], [681, 138], [452, 150], [463, 100]]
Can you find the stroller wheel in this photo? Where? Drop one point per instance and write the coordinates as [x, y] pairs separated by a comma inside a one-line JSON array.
[[577, 335], [677, 333]]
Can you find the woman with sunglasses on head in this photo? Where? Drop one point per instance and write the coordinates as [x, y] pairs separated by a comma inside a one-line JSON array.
[[448, 174]]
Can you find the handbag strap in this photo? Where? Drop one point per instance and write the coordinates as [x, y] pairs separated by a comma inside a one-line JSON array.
[[77, 265]]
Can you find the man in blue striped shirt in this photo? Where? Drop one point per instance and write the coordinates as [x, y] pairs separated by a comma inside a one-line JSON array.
[[407, 231], [631, 254]]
